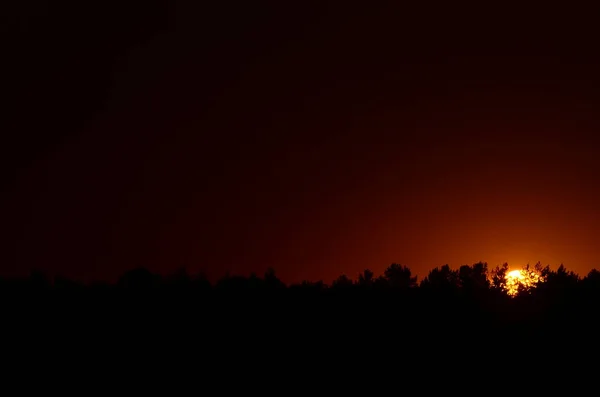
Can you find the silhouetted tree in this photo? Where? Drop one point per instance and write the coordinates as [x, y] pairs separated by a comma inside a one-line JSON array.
[[562, 278], [398, 276], [442, 279], [366, 278], [532, 276], [557, 282], [342, 282], [591, 285], [499, 277], [474, 278], [592, 279], [272, 281]]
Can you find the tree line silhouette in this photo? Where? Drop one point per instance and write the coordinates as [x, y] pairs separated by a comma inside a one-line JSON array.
[[468, 280], [469, 286], [450, 312]]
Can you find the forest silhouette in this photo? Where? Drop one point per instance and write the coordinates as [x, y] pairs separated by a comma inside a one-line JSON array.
[[253, 325], [471, 299]]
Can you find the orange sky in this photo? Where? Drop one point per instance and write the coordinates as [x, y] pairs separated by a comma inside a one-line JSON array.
[[303, 142]]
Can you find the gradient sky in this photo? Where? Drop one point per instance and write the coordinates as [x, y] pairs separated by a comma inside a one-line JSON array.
[[318, 139]]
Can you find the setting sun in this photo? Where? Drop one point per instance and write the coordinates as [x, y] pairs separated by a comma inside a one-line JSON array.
[[517, 279], [515, 274], [513, 280]]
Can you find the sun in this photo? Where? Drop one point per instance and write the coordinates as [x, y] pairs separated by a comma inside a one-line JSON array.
[[515, 274], [517, 279], [513, 280]]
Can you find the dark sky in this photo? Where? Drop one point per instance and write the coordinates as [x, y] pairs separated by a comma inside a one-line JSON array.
[[318, 138]]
